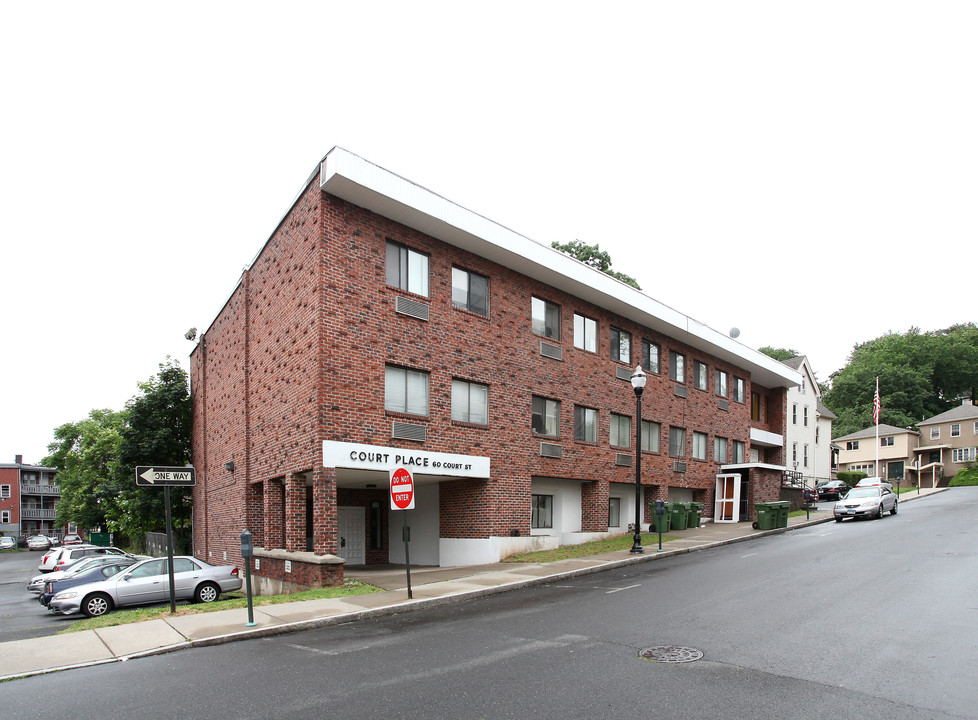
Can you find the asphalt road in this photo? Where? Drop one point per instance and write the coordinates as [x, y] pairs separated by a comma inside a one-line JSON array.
[[867, 619], [21, 616]]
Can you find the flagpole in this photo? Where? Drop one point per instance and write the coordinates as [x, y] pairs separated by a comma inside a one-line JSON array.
[[876, 419]]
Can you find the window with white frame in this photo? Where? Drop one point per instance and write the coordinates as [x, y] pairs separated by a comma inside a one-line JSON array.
[[721, 384], [794, 453], [545, 318], [650, 436], [470, 291], [546, 416], [4, 491], [677, 366], [407, 269], [852, 445], [585, 333], [956, 430], [805, 456], [720, 449], [585, 424], [887, 441], [677, 441], [614, 512], [740, 390], [699, 445], [805, 422], [621, 345], [650, 360], [935, 433], [794, 414], [406, 391], [621, 430], [700, 375], [5, 517], [962, 455], [470, 402], [739, 451], [541, 511]]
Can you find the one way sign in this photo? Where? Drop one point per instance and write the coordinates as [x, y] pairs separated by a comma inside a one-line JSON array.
[[156, 476]]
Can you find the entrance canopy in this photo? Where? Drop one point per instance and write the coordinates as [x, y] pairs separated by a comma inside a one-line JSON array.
[[360, 463]]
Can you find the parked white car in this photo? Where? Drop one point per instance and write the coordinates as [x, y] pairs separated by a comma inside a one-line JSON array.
[[872, 501], [7, 543]]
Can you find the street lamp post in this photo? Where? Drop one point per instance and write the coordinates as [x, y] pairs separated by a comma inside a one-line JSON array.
[[638, 384]]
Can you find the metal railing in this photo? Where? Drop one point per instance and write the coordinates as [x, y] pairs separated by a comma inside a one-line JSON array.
[[38, 489]]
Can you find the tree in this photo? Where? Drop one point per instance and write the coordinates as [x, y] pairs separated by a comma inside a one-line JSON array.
[[84, 453], [593, 256], [779, 354], [920, 375], [157, 432]]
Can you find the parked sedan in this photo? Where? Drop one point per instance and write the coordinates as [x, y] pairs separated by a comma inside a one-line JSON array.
[[72, 540], [833, 490], [36, 583], [7, 543], [872, 501], [148, 582], [99, 570], [65, 557], [38, 542]]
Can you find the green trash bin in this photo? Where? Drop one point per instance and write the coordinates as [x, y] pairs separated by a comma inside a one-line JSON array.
[[666, 520], [767, 516], [784, 507], [679, 512], [695, 514]]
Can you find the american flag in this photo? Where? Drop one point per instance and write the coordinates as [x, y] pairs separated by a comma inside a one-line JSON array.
[[876, 404]]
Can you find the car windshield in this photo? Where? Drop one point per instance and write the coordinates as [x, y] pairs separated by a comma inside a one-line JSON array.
[[863, 492]]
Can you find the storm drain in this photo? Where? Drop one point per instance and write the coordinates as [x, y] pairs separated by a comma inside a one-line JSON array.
[[671, 654]]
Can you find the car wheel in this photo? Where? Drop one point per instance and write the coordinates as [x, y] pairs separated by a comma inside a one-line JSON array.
[[894, 510], [207, 593], [838, 519], [96, 605], [879, 514]]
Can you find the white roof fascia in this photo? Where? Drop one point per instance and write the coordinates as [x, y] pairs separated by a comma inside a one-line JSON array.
[[366, 185]]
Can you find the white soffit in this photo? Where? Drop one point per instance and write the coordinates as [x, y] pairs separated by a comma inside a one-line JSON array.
[[369, 186]]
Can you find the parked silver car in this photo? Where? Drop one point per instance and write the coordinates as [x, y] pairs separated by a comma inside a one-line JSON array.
[[7, 543], [148, 582], [61, 558], [36, 583], [872, 501]]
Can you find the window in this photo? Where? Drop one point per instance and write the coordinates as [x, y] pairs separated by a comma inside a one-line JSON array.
[[740, 390], [614, 512], [4, 516], [935, 433], [805, 456], [699, 446], [406, 391], [956, 430], [585, 424], [621, 430], [621, 345], [407, 269], [4, 491], [886, 441], [585, 333], [720, 449], [546, 416], [852, 445], [757, 403], [650, 359], [650, 436], [976, 427], [700, 371], [962, 455], [739, 448], [470, 402], [542, 511], [794, 453], [805, 421], [470, 291], [546, 318], [677, 441], [721, 383], [676, 369], [149, 569]]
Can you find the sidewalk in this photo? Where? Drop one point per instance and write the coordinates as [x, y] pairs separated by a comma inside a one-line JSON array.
[[430, 586]]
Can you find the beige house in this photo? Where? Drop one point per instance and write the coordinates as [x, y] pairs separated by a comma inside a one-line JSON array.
[[895, 452], [948, 443]]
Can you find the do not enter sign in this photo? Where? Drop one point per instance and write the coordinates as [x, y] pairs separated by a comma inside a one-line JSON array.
[[402, 490]]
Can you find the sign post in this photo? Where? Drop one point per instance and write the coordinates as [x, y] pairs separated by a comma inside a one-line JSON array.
[[160, 476], [402, 498]]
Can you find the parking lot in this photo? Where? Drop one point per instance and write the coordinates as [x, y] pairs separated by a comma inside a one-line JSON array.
[[21, 616]]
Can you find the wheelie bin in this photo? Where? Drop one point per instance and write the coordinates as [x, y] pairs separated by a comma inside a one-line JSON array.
[[679, 512], [665, 520], [767, 516], [784, 507], [695, 515]]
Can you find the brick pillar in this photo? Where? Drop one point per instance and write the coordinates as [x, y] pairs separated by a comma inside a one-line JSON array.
[[295, 513], [324, 516], [594, 506], [274, 521], [255, 509]]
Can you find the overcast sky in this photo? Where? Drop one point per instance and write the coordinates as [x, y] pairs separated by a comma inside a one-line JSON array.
[[805, 172]]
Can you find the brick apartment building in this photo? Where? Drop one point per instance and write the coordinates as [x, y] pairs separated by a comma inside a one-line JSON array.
[[383, 325], [29, 495]]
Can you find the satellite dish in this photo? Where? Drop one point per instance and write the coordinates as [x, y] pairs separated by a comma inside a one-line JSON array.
[[735, 333]]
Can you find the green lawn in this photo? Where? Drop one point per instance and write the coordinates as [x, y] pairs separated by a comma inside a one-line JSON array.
[[596, 547], [234, 600]]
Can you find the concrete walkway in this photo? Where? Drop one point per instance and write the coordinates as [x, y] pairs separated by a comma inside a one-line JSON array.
[[430, 586]]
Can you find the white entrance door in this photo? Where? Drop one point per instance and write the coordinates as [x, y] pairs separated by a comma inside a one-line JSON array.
[[727, 505], [353, 535]]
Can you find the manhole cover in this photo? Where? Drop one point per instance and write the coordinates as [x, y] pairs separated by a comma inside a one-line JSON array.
[[670, 654]]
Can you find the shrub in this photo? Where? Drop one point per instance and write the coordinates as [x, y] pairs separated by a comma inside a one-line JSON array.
[[851, 477], [968, 476]]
